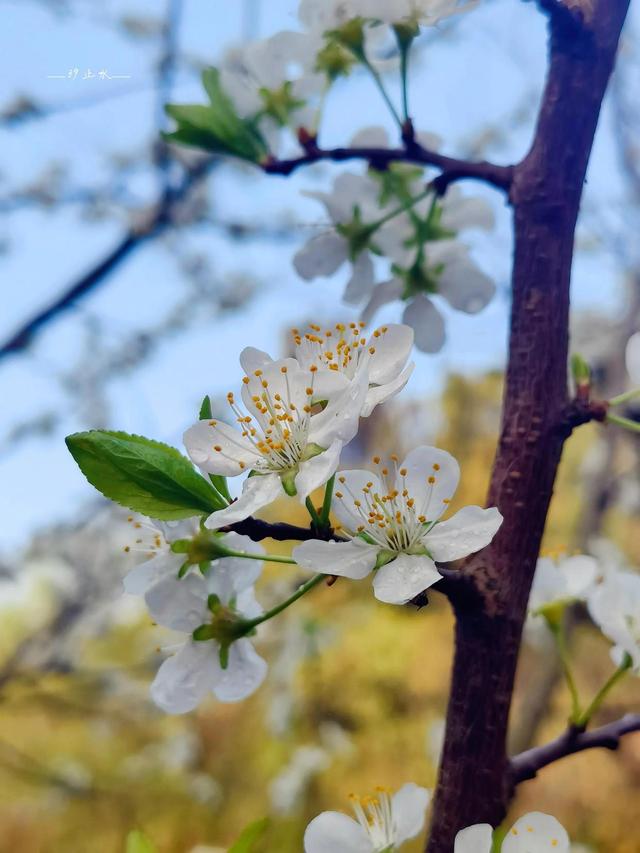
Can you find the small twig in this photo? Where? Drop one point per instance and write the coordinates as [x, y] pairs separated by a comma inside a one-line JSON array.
[[527, 764], [452, 168], [561, 15]]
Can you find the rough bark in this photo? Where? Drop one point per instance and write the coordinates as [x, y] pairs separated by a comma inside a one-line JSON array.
[[475, 784]]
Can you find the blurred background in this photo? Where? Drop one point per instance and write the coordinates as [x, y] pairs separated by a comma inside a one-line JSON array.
[[131, 276]]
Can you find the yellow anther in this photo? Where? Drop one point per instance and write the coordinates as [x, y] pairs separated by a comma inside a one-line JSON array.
[[245, 380], [217, 447], [372, 350], [283, 369], [376, 460], [403, 472], [431, 480], [338, 494], [257, 373], [436, 467]]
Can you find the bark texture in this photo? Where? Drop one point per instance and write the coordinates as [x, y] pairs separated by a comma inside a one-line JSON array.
[[475, 783]]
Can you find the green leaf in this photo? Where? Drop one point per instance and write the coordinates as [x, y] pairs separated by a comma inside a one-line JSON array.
[[144, 475], [205, 409], [250, 835], [216, 127], [138, 842]]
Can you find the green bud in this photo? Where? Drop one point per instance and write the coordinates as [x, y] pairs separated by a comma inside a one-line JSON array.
[[384, 557], [279, 104], [203, 633], [351, 36], [334, 60], [553, 613], [288, 480], [580, 371], [406, 31], [213, 603]]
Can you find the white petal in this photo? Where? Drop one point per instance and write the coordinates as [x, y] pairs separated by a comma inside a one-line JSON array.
[[254, 359], [361, 282], [353, 560], [328, 384], [236, 453], [394, 241], [244, 674], [351, 490], [392, 345], [536, 833], [428, 140], [178, 604], [184, 679], [427, 323], [462, 283], [423, 464], [474, 839], [340, 418], [373, 136], [402, 579], [323, 255], [333, 832], [408, 807], [229, 576], [466, 532], [548, 584], [463, 211], [580, 572], [140, 578], [633, 358], [284, 377], [381, 393], [257, 492], [386, 291], [316, 471]]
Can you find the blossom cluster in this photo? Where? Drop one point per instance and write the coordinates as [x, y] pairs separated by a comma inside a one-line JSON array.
[[286, 438]]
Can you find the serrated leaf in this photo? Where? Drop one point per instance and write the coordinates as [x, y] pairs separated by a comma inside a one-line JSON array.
[[143, 475], [216, 127], [138, 842], [250, 835]]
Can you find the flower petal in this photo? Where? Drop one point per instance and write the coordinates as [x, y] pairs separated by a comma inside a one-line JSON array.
[[141, 577], [408, 807], [322, 255], [632, 358], [282, 378], [427, 322], [236, 454], [257, 492], [392, 344], [386, 291], [373, 136], [536, 833], [404, 578], [244, 674], [474, 839], [466, 532], [580, 572], [361, 282], [424, 464], [254, 359], [381, 393], [178, 604], [462, 283], [464, 211], [229, 576], [353, 560], [184, 679], [333, 832], [316, 471], [351, 485], [340, 418]]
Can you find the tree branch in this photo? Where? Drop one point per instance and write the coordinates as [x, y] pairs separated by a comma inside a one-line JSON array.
[[158, 221], [561, 15], [452, 169], [527, 764]]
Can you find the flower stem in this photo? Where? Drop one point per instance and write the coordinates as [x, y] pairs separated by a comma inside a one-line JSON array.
[[269, 558], [624, 398], [557, 630], [326, 503], [627, 423], [269, 614], [315, 518], [402, 208], [378, 81], [598, 699], [404, 68]]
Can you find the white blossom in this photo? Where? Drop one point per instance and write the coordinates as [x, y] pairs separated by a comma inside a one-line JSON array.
[[277, 437], [562, 580], [614, 606], [195, 670], [532, 833], [339, 354], [382, 823], [152, 539], [391, 521], [633, 358]]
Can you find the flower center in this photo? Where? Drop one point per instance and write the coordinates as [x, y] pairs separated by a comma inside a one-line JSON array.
[[375, 816], [279, 426], [147, 538], [393, 519], [340, 349]]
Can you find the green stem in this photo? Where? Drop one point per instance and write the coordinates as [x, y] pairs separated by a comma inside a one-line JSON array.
[[404, 68], [402, 208], [269, 614], [624, 398], [557, 629], [326, 503], [378, 81], [315, 518], [598, 699], [627, 423], [269, 558]]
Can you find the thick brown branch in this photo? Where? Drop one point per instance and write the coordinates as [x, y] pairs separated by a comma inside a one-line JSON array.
[[451, 168], [527, 764]]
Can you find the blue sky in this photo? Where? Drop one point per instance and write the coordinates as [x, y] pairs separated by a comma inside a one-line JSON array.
[[464, 85]]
